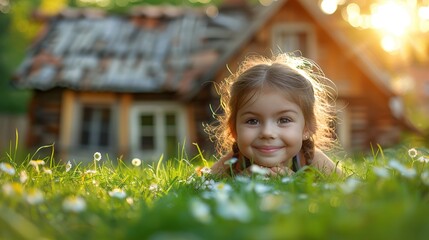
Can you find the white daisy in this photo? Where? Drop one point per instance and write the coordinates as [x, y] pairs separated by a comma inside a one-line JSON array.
[[74, 204], [136, 162], [117, 193], [406, 172], [34, 196], [68, 166], [200, 210], [23, 177], [7, 168], [412, 152], [97, 156]]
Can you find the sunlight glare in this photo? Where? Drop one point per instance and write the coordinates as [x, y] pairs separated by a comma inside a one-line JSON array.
[[391, 17], [352, 14], [390, 43], [424, 13], [329, 6]]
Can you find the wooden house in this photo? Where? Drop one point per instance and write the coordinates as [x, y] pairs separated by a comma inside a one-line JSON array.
[[141, 85]]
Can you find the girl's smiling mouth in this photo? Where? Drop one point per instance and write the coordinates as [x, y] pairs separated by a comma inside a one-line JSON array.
[[267, 149]]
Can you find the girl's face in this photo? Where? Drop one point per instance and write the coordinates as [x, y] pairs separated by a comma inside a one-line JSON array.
[[270, 128]]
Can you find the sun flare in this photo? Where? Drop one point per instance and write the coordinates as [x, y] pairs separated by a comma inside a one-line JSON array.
[[391, 17], [398, 22]]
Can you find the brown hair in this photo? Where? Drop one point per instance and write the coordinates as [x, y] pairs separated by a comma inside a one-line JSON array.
[[299, 78]]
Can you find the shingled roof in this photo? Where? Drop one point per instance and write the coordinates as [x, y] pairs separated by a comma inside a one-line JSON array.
[[152, 49]]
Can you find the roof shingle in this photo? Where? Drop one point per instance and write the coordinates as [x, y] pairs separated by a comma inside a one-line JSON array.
[[149, 50]]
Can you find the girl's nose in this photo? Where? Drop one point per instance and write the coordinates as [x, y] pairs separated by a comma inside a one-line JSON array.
[[268, 131]]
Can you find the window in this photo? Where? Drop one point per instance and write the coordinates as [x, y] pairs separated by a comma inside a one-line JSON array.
[[95, 126], [171, 133], [147, 132], [298, 38], [157, 128]]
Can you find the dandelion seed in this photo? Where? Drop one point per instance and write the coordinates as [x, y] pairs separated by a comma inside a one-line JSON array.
[[406, 172], [7, 168], [74, 204], [34, 196], [136, 162], [97, 156], [230, 161], [23, 177], [68, 166], [259, 170], [118, 193], [200, 211], [412, 152], [423, 159]]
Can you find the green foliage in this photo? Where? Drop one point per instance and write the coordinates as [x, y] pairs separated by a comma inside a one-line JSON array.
[[17, 31], [122, 6], [383, 196]]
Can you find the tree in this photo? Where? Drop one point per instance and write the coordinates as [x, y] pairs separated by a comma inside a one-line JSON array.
[[16, 34]]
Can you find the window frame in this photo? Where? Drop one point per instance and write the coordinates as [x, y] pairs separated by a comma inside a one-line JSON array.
[[297, 27], [81, 102], [110, 130], [159, 110]]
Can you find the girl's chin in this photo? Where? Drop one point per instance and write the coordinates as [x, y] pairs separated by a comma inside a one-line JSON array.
[[269, 164]]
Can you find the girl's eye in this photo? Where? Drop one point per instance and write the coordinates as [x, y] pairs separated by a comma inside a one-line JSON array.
[[252, 121], [284, 120]]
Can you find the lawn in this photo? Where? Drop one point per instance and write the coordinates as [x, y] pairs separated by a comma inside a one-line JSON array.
[[384, 196]]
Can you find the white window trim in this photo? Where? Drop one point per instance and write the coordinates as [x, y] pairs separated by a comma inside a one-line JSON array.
[[295, 28], [158, 109], [343, 124], [85, 153]]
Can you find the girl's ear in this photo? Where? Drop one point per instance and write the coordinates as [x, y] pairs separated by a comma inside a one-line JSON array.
[[306, 134]]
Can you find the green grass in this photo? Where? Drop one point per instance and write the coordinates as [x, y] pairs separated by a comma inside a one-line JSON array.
[[383, 196]]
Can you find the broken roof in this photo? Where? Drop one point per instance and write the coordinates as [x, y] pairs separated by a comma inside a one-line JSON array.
[[152, 49]]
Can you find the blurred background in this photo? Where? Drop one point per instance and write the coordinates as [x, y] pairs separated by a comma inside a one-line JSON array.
[[394, 34]]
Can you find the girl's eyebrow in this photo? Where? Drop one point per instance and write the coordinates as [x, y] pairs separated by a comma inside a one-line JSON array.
[[288, 111], [278, 113], [248, 113]]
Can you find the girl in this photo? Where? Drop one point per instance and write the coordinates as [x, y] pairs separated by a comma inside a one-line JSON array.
[[276, 116]]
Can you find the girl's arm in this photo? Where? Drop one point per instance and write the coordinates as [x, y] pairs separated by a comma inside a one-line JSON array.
[[324, 163], [219, 167]]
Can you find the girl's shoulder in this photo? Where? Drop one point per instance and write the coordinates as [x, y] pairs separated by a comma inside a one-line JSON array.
[[324, 163]]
